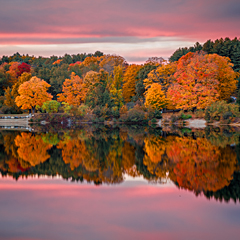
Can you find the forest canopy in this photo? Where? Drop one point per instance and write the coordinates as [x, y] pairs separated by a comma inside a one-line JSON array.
[[107, 85]]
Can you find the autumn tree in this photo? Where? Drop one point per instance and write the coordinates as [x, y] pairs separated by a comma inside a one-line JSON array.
[[155, 97], [33, 93], [11, 94], [73, 91], [13, 72], [129, 81], [97, 92], [225, 75], [109, 62], [202, 79], [141, 76], [116, 86], [163, 75], [196, 83], [23, 67], [9, 99], [156, 61], [22, 79]]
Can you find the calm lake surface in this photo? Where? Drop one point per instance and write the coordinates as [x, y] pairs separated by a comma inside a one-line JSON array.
[[102, 182]]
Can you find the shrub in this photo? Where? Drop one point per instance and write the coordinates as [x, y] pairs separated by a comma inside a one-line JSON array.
[[174, 118], [185, 117], [8, 110], [123, 110], [51, 106], [152, 113], [222, 111], [115, 112], [66, 107], [200, 113], [83, 110], [134, 115]]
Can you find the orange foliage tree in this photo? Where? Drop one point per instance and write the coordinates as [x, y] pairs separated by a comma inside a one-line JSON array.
[[196, 83], [33, 93], [13, 72], [225, 75], [202, 79], [73, 91], [129, 81]]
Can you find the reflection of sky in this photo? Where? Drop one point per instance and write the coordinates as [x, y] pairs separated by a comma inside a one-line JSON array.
[[55, 209]]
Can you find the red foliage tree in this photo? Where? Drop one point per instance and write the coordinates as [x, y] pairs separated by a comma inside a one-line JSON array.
[[23, 67]]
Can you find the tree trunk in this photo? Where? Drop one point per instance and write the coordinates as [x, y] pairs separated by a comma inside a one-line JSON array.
[[33, 110]]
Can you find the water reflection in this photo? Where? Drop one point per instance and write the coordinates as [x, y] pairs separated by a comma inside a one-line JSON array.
[[204, 162]]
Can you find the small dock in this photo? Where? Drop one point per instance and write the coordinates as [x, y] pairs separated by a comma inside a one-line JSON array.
[[14, 122]]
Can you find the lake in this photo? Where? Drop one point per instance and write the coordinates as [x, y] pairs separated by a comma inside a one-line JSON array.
[[105, 182]]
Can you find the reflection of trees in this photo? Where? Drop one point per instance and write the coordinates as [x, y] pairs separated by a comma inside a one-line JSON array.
[[104, 155], [222, 137], [9, 144], [50, 138], [32, 149], [128, 160], [72, 152], [232, 191], [200, 166], [155, 158]]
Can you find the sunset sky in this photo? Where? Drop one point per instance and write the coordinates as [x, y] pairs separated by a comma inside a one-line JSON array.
[[134, 29]]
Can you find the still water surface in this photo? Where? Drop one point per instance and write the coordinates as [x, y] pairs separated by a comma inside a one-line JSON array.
[[120, 183]]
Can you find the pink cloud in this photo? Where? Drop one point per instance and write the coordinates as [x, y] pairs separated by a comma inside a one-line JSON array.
[[80, 19]]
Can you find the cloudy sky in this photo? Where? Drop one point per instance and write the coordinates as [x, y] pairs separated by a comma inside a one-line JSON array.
[[135, 29]]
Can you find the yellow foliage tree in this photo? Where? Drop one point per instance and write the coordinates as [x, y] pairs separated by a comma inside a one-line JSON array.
[[155, 97], [33, 93], [129, 81], [164, 75], [91, 79], [9, 99], [118, 77], [109, 62], [11, 94], [73, 91], [22, 79]]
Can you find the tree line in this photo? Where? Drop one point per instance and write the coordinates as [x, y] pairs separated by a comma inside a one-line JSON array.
[[107, 85]]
